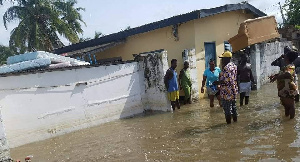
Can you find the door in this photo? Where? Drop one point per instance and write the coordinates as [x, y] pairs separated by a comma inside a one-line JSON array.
[[210, 53]]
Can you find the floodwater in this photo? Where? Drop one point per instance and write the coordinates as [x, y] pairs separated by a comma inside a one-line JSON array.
[[193, 133]]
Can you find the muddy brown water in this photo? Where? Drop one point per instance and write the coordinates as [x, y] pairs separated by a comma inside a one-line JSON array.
[[193, 133]]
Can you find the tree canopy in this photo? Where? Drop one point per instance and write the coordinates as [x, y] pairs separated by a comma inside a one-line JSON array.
[[42, 22], [4, 53], [292, 8]]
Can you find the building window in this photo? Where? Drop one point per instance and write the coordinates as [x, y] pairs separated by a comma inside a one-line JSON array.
[[227, 46]]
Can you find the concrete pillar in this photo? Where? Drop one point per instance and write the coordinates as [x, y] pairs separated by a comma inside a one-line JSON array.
[[154, 64], [190, 56], [255, 63], [4, 149]]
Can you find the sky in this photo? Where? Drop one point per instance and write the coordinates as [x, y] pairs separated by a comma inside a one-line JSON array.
[[111, 16]]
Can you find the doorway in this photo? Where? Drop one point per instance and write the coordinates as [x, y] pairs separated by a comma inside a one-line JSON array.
[[210, 53]]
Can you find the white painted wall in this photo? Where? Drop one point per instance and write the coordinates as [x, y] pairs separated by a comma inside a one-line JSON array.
[[155, 65], [4, 148], [43, 105], [262, 55]]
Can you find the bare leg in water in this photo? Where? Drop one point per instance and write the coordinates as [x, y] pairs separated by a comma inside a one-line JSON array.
[[289, 106], [173, 103], [177, 104], [211, 99], [242, 96], [219, 99], [247, 100]]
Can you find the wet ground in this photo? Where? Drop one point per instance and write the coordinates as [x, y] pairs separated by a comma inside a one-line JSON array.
[[193, 133]]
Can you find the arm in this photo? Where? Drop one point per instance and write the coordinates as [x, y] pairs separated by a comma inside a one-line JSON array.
[[167, 77], [203, 83], [238, 75], [275, 77], [251, 77], [180, 77]]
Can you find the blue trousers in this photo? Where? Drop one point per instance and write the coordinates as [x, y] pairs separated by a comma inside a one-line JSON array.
[[229, 107]]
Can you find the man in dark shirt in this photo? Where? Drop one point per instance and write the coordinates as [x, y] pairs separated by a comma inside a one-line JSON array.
[[245, 78]]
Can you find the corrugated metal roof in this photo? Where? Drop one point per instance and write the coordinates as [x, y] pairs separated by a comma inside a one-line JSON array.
[[161, 24]]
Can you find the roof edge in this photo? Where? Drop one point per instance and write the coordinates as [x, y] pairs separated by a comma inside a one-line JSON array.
[[197, 14]]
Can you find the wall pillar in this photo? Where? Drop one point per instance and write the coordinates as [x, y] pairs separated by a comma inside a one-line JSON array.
[[255, 63], [4, 149], [154, 64], [190, 56]]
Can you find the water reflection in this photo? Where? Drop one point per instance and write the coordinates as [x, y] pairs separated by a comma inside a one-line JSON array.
[[194, 133]]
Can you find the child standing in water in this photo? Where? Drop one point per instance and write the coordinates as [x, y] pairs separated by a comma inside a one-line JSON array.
[[287, 89]]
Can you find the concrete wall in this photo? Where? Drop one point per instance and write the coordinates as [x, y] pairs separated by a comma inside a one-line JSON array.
[[192, 35], [157, 39], [43, 105], [4, 148], [155, 65], [261, 57], [218, 28]]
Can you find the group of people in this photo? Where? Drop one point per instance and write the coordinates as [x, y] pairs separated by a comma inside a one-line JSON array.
[[225, 84]]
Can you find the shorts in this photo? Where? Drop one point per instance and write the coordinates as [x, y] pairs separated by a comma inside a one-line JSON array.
[[173, 96], [212, 92], [245, 88]]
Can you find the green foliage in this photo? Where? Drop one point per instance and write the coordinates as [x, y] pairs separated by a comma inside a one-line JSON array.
[[5, 52], [41, 22], [292, 8], [97, 35]]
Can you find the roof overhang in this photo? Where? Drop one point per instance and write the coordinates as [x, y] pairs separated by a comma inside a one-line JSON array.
[[93, 49], [198, 14], [254, 31]]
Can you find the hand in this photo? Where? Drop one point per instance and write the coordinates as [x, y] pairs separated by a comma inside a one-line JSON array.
[[202, 90], [273, 78]]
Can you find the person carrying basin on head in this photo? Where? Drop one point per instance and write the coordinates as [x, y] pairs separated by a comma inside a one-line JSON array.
[[185, 82], [287, 88], [211, 75], [245, 78], [229, 87], [171, 84]]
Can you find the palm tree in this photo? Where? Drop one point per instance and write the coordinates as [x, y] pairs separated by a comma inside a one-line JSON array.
[[4, 53], [97, 35], [42, 22]]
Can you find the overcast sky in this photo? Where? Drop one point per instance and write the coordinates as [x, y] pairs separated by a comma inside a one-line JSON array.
[[110, 16]]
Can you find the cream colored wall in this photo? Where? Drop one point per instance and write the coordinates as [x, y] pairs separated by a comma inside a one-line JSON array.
[[192, 34], [155, 40], [217, 28]]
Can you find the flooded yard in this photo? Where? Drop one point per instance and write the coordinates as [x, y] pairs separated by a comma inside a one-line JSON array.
[[193, 133]]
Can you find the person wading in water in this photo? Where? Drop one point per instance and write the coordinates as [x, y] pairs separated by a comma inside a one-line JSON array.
[[211, 75], [287, 88], [171, 84], [245, 78], [186, 83], [229, 87]]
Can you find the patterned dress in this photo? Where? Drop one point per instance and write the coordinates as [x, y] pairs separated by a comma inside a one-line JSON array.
[[287, 88], [229, 89]]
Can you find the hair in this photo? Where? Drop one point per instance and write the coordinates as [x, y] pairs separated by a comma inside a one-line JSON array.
[[211, 60], [292, 56], [173, 61], [287, 49], [244, 58]]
